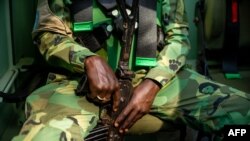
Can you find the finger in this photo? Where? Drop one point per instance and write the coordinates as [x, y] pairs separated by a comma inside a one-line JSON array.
[[108, 87], [104, 97], [103, 93], [130, 120], [102, 100], [116, 99], [112, 88], [133, 121], [122, 116]]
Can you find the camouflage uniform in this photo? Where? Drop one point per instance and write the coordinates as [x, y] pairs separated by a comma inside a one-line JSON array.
[[54, 112]]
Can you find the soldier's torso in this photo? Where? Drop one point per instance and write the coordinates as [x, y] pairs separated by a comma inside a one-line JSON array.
[[54, 16]]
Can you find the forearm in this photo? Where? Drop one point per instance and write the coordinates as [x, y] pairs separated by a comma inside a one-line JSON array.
[[62, 51], [173, 56], [170, 59]]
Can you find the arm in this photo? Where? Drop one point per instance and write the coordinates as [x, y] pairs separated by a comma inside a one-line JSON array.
[[170, 60], [62, 51], [52, 32], [173, 56], [56, 43]]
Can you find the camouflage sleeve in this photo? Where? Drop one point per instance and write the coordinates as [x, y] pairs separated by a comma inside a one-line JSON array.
[[172, 57], [56, 43], [62, 51]]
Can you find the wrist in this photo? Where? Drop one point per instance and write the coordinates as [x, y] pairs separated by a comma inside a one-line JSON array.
[[154, 82], [154, 85], [88, 61]]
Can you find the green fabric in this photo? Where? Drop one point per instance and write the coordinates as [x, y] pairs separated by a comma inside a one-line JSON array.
[[170, 59], [83, 26], [232, 75], [185, 97], [54, 111]]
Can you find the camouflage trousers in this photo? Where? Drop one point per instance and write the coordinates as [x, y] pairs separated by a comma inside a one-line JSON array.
[[55, 113]]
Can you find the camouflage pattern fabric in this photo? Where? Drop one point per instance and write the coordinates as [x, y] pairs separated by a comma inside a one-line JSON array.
[[55, 113], [60, 49], [205, 105]]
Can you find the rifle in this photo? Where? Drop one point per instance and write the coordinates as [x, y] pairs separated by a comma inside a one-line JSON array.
[[105, 129]]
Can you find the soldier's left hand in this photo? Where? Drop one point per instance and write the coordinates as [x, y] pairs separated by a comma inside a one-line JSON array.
[[139, 105]]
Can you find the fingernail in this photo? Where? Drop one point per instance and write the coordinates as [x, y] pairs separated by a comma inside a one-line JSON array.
[[115, 109], [121, 131], [116, 124], [126, 130]]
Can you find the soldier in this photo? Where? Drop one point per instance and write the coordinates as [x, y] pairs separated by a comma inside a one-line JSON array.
[[164, 88]]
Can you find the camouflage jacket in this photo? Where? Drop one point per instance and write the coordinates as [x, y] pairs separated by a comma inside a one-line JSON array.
[[53, 27]]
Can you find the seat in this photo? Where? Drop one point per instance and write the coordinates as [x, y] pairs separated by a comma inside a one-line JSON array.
[[223, 35]]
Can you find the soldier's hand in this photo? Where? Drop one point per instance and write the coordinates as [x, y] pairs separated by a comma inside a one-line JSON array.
[[139, 105], [103, 83]]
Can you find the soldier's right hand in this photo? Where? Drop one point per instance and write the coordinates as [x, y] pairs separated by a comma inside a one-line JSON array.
[[103, 84]]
